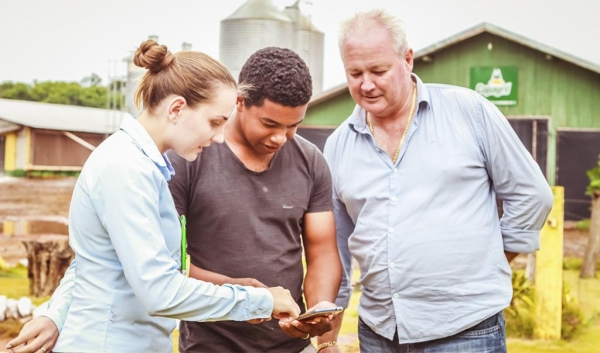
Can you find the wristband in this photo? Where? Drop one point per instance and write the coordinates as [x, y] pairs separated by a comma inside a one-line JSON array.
[[325, 345]]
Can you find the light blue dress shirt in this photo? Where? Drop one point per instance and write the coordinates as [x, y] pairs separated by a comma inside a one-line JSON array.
[[425, 231], [124, 289]]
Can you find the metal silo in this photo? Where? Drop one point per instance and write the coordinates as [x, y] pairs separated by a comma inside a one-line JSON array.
[[134, 75], [309, 44], [254, 25]]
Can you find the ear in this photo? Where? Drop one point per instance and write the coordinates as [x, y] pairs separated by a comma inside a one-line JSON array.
[[175, 107], [408, 59], [239, 104]]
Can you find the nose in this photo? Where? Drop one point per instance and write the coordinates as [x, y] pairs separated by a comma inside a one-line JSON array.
[[367, 84], [279, 138]]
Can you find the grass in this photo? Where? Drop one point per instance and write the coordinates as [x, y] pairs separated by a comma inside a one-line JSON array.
[[14, 284], [588, 341]]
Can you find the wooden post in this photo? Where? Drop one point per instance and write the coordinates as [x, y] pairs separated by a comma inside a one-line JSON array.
[[548, 272], [48, 258]]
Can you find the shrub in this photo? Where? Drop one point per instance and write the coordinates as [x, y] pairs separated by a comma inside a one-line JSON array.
[[519, 315], [572, 316]]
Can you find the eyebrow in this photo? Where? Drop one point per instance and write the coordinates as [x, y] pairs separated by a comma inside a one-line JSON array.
[[271, 121], [370, 68]]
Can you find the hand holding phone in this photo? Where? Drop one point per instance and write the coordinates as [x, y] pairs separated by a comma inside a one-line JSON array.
[[322, 312]]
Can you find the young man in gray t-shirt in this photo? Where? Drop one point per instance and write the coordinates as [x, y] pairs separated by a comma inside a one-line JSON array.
[[254, 203]]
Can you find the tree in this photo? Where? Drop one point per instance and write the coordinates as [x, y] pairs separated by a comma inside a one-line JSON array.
[[90, 94], [11, 90], [588, 268]]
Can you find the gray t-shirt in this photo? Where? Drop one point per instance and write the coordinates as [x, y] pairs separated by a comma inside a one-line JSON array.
[[241, 223]]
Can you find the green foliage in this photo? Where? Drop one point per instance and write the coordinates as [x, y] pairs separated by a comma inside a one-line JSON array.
[[572, 315], [51, 174], [519, 315], [583, 224], [522, 294], [11, 90], [15, 173], [16, 271], [14, 282], [88, 94], [594, 175], [574, 263]]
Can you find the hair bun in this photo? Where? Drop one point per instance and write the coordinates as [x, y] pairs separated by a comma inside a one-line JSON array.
[[152, 56]]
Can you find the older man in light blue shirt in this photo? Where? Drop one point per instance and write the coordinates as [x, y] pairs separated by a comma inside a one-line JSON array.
[[424, 228]]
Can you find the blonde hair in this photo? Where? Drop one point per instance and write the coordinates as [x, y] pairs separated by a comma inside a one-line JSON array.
[[190, 74], [362, 20]]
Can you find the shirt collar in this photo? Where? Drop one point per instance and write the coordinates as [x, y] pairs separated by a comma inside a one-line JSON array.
[[358, 118], [140, 136]]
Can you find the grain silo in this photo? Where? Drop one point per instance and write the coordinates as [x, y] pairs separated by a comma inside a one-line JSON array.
[[134, 75], [258, 24]]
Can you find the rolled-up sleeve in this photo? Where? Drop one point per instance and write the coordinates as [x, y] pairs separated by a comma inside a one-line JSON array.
[[517, 180]]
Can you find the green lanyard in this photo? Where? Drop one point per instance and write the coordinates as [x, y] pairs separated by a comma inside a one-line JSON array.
[[183, 245]]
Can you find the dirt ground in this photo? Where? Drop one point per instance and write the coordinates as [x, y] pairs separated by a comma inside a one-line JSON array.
[[44, 203]]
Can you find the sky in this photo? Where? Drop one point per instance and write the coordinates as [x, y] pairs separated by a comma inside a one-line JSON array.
[[67, 40]]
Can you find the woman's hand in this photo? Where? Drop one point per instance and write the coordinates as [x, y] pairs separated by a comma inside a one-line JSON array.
[[38, 335]]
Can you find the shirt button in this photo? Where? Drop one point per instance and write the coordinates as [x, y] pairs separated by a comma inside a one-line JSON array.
[[393, 198], [391, 230], [396, 295], [392, 264], [395, 170]]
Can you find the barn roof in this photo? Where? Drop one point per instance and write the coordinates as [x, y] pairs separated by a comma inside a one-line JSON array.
[[58, 117]]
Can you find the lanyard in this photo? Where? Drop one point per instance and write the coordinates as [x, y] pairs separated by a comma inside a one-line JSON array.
[[183, 245]]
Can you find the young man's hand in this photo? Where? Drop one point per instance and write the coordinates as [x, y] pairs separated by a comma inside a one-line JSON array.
[[312, 327]]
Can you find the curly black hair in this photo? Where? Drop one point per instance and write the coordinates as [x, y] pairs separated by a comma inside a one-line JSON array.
[[277, 74]]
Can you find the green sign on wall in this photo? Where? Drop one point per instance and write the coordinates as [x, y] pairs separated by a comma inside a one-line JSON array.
[[498, 84]]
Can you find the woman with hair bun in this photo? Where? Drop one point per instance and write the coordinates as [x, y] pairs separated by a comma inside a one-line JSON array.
[[124, 288]]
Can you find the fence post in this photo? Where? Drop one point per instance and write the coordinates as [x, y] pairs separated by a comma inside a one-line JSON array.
[[549, 272]]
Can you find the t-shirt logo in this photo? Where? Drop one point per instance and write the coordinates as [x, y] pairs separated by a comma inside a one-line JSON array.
[[287, 207]]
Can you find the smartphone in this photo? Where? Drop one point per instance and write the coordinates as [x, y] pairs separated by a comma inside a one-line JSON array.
[[319, 312]]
